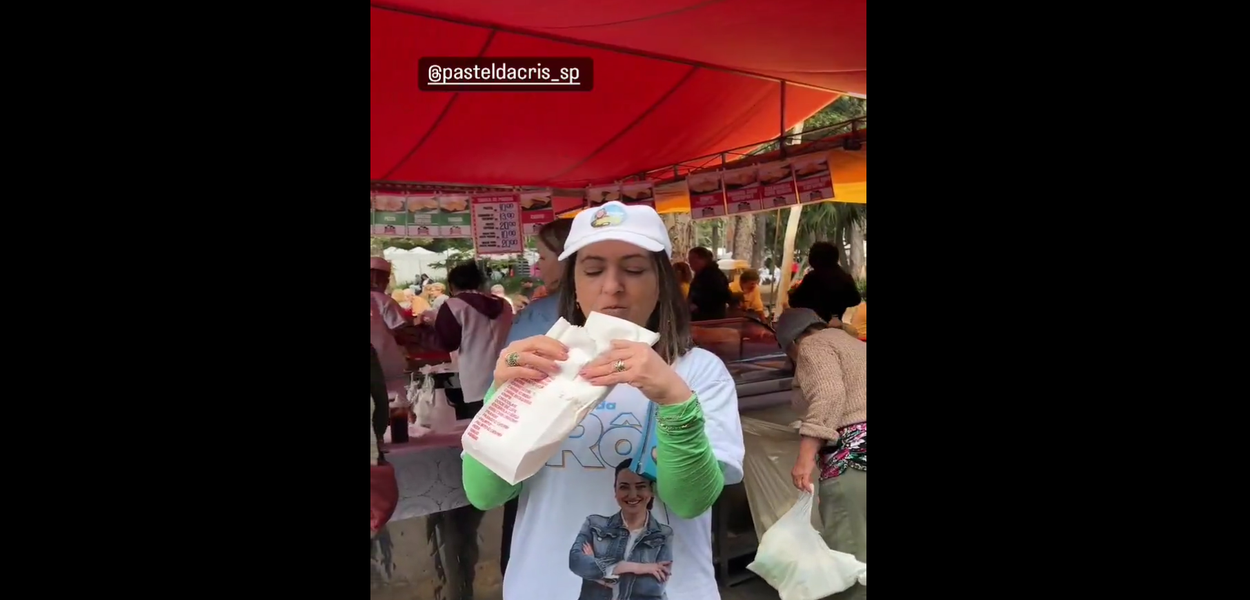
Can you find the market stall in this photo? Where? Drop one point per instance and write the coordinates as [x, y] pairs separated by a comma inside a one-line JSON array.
[[682, 90]]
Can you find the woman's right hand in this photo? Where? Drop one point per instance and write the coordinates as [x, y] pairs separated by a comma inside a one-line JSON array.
[[660, 570], [535, 358]]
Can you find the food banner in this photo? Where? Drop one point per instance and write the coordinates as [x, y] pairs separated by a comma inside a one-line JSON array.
[[603, 193], [743, 193], [641, 193], [536, 211], [439, 216], [777, 185], [707, 195], [812, 178], [497, 224], [388, 215], [562, 204]]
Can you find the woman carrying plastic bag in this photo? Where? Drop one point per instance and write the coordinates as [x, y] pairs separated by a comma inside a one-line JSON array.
[[831, 394], [793, 558]]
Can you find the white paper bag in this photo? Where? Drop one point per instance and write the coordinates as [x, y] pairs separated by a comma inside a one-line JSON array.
[[527, 421], [794, 559]]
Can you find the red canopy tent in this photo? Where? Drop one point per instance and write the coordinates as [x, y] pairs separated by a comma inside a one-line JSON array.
[[674, 80]]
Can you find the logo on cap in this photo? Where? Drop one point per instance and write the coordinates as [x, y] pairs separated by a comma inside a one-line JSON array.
[[608, 215]]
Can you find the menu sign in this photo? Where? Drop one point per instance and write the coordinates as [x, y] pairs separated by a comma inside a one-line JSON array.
[[811, 176], [439, 216], [707, 195], [389, 216], [604, 193], [742, 190], [497, 224], [536, 211], [642, 193], [777, 185]]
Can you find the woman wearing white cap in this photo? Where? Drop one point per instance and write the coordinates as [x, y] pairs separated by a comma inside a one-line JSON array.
[[616, 261]]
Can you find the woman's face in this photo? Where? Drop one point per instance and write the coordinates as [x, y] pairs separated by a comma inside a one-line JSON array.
[[549, 265], [617, 279], [633, 493]]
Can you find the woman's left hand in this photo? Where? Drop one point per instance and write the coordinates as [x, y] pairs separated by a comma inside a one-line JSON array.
[[802, 473], [638, 365], [587, 550]]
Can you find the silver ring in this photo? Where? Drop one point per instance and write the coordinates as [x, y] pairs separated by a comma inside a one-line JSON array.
[[513, 359], [619, 366]]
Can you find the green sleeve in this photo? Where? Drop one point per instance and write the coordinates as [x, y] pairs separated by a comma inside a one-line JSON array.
[[484, 488], [688, 477]]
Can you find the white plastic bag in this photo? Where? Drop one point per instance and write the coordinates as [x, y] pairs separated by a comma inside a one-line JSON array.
[[771, 450], [430, 407], [527, 421], [793, 558]]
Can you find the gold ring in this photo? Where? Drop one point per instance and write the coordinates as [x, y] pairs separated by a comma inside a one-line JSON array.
[[513, 359], [620, 366]]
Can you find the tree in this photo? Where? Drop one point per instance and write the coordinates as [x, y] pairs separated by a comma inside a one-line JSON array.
[[681, 230], [744, 238]]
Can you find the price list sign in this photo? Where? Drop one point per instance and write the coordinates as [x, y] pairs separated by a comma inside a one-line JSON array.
[[497, 224]]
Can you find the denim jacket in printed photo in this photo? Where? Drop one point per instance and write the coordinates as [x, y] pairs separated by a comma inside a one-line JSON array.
[[608, 537]]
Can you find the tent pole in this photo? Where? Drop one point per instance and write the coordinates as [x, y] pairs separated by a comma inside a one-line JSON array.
[[781, 137], [787, 262]]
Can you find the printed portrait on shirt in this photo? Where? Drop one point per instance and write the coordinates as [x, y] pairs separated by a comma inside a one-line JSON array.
[[627, 555]]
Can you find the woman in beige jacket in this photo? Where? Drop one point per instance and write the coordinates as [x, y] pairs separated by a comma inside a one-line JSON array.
[[831, 394]]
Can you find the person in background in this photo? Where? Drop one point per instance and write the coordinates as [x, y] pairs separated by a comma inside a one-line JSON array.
[[520, 302], [709, 290], [388, 326], [827, 289], [416, 303], [748, 284], [771, 274], [380, 404], [498, 291], [435, 292], [537, 319], [860, 320], [684, 277], [617, 261], [476, 325], [831, 394]]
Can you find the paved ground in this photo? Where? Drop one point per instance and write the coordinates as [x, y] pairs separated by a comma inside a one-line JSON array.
[[755, 589]]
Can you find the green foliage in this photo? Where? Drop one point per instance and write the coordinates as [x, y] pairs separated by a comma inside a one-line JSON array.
[[862, 284], [433, 245], [841, 110]]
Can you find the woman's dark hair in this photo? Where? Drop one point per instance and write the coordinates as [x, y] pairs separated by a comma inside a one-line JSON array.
[[704, 254], [823, 256], [553, 234], [465, 277], [625, 464], [670, 317]]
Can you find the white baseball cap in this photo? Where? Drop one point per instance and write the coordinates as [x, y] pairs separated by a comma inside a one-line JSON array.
[[378, 263], [639, 225]]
